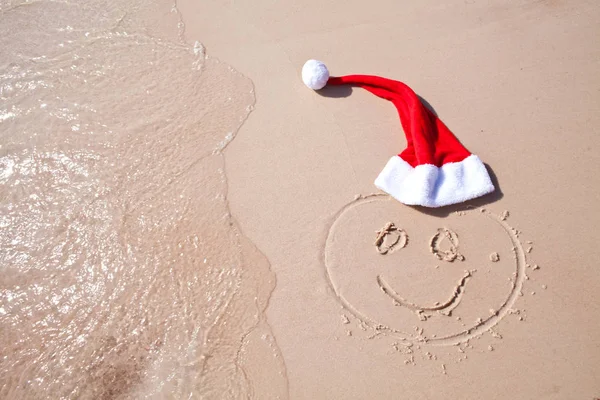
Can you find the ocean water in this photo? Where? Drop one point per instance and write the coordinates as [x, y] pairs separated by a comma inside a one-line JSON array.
[[122, 272]]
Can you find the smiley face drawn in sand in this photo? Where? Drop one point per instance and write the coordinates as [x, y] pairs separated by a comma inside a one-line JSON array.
[[422, 278], [449, 254]]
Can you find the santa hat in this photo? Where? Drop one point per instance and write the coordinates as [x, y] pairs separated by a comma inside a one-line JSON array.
[[435, 169]]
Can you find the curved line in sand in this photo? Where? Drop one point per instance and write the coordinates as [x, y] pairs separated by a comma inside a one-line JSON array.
[[445, 255], [444, 307]]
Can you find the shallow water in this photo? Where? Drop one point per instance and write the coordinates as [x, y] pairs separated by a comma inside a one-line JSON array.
[[122, 272]]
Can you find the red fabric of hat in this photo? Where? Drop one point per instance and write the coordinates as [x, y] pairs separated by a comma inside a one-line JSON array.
[[435, 169]]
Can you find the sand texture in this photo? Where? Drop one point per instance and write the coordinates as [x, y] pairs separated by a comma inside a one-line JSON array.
[[247, 253], [518, 83], [122, 272]]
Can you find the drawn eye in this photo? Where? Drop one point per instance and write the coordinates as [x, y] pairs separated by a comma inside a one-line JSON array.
[[390, 238], [444, 245]]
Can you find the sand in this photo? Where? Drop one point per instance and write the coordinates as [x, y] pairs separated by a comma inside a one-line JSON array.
[[122, 271], [493, 299], [518, 84]]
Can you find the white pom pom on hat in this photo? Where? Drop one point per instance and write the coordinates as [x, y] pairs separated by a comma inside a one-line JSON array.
[[315, 74], [435, 169]]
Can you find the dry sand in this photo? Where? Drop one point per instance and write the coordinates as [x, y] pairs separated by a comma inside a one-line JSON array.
[[518, 83], [495, 301]]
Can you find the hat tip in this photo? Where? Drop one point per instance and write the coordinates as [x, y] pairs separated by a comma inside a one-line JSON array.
[[315, 74]]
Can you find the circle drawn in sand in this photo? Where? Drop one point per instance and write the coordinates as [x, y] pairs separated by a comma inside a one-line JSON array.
[[390, 238], [435, 245], [400, 294]]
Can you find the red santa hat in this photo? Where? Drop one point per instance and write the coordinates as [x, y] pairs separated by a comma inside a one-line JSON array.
[[435, 169]]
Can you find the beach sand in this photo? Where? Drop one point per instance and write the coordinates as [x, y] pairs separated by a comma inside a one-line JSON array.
[[518, 84], [494, 299]]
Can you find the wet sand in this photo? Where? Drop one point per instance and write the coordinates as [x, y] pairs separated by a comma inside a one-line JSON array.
[[124, 275]]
